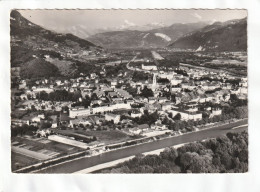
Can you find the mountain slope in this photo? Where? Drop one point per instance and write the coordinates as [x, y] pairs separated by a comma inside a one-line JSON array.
[[226, 36], [31, 44], [154, 38]]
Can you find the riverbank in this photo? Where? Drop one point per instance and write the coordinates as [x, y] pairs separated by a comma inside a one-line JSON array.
[[87, 162], [114, 163]]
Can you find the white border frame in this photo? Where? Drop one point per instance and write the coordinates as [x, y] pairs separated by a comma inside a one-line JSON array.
[[114, 182]]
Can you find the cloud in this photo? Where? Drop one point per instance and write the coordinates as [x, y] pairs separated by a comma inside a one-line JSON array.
[[129, 23]]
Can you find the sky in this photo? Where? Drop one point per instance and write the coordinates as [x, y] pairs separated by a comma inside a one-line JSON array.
[[92, 21]]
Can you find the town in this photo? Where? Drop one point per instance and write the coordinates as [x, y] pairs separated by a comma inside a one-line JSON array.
[[107, 110], [82, 99]]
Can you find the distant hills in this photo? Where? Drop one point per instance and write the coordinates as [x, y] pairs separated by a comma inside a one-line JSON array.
[[42, 53], [30, 44], [227, 36], [153, 38], [219, 36]]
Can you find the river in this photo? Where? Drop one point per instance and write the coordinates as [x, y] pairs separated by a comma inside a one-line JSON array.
[[86, 162]]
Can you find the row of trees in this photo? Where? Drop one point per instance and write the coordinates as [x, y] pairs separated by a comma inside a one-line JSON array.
[[63, 95], [23, 129], [178, 124], [234, 82], [112, 71], [59, 95], [227, 154], [140, 76]]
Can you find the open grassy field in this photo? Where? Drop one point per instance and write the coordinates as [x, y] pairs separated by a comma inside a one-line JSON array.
[[18, 161], [43, 143], [107, 137]]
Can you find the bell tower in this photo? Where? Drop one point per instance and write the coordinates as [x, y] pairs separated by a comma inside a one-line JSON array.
[[154, 80], [154, 85]]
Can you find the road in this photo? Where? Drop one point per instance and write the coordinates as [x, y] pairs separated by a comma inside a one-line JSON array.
[[132, 68], [83, 163]]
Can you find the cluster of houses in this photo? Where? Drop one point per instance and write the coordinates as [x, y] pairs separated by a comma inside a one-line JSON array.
[[112, 99]]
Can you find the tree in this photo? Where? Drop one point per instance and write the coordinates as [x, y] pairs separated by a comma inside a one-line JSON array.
[[143, 169], [203, 164], [186, 159], [243, 155], [42, 95], [33, 108], [221, 155], [139, 76], [162, 169], [169, 153], [94, 96], [177, 117], [146, 92]]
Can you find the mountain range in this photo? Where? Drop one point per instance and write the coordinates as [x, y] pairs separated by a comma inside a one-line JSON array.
[[43, 53], [153, 38], [84, 31], [220, 36]]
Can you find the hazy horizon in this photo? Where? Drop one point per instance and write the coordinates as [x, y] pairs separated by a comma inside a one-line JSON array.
[[88, 22]]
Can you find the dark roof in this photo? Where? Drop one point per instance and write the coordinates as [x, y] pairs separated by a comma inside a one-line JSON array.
[[64, 117]]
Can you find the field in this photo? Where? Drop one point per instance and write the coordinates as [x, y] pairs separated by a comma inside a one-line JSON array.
[[107, 137], [30, 150], [18, 161]]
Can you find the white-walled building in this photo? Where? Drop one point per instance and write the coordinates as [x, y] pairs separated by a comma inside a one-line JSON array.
[[149, 67], [112, 117], [216, 112], [79, 111], [186, 115]]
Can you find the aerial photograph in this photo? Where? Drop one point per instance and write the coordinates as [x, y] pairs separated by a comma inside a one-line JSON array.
[[128, 91]]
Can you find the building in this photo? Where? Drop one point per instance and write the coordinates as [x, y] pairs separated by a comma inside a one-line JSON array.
[[80, 120], [152, 100], [140, 129], [22, 84], [167, 106], [54, 123], [158, 127], [187, 115], [112, 117], [144, 127], [149, 67], [79, 111], [135, 131], [162, 99], [113, 83], [65, 140], [40, 89], [216, 112], [136, 114], [176, 81], [122, 93]]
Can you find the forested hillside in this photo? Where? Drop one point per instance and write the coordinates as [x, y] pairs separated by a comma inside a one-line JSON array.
[[31, 44]]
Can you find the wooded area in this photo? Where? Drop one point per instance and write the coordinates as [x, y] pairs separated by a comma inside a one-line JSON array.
[[227, 154]]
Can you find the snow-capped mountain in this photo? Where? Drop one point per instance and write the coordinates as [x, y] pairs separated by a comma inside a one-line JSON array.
[[158, 36]]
